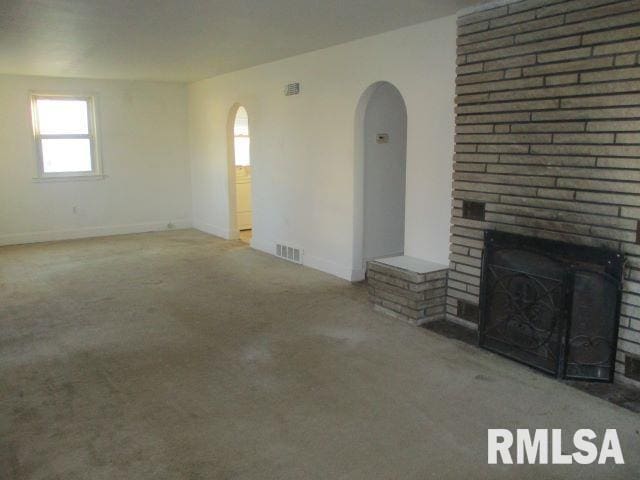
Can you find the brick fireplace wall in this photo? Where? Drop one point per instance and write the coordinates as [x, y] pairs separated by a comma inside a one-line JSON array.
[[548, 139]]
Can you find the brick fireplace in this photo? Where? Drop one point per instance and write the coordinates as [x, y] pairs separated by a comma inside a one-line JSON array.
[[548, 142], [551, 305]]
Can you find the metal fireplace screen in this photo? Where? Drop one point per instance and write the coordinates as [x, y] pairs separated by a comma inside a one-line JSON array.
[[551, 305]]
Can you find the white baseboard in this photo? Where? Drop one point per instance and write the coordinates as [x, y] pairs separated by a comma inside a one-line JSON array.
[[88, 232], [328, 266], [213, 229], [265, 247], [358, 275], [310, 261]]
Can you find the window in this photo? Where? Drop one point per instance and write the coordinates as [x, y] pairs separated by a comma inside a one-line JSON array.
[[64, 130], [241, 141]]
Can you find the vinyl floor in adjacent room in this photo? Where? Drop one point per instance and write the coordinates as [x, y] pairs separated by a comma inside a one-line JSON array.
[[178, 355]]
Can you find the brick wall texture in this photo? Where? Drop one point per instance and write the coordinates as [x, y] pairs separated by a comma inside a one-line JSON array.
[[548, 136], [410, 296]]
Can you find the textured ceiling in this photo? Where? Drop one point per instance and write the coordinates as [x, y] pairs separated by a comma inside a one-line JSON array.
[[185, 40]]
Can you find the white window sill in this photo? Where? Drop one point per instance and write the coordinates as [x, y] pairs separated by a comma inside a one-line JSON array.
[[69, 178]]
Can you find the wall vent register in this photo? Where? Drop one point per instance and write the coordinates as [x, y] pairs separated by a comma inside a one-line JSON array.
[[287, 252], [632, 367], [473, 210], [468, 311], [292, 89]]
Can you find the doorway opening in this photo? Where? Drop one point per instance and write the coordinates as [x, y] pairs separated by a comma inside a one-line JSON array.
[[241, 220], [380, 175]]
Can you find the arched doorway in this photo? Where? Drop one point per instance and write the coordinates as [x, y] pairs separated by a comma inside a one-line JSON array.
[[240, 213], [380, 174]]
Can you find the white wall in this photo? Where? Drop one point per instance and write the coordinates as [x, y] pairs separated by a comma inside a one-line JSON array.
[[303, 146], [142, 129], [384, 173]]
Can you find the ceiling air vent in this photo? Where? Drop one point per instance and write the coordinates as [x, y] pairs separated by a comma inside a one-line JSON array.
[[293, 254], [292, 89]]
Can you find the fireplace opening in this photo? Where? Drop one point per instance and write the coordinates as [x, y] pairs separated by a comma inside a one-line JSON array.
[[551, 305]]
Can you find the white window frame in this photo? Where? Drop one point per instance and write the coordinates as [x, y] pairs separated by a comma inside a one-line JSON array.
[[96, 164]]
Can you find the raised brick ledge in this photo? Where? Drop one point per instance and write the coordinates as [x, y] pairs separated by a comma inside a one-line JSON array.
[[408, 288]]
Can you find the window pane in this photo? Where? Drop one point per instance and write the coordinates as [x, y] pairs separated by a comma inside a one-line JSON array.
[[66, 155], [241, 123], [242, 151], [62, 116]]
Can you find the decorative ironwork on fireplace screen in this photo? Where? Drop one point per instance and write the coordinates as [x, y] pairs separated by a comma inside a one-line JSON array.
[[551, 305]]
